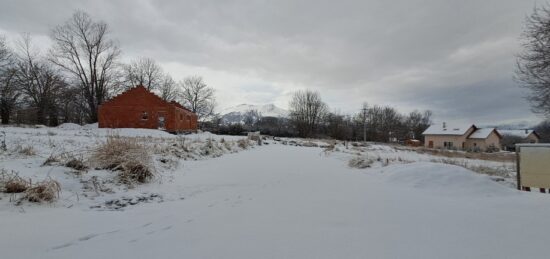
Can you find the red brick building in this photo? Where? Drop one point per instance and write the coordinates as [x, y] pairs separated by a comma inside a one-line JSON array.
[[139, 108]]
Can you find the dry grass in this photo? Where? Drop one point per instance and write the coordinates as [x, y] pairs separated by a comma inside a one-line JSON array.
[[52, 159], [501, 171], [498, 157], [26, 150], [243, 143], [127, 156], [11, 182], [45, 191], [76, 164], [360, 162]]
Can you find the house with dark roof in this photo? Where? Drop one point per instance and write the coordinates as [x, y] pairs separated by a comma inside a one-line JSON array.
[[464, 137], [140, 108]]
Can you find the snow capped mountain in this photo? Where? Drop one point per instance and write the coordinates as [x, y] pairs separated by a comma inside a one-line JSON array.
[[236, 114]]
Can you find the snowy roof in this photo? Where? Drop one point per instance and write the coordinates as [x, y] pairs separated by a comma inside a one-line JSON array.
[[449, 129], [523, 133], [481, 133]]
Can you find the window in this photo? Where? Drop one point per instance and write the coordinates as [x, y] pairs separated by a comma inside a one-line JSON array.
[[447, 144], [144, 116], [181, 117]]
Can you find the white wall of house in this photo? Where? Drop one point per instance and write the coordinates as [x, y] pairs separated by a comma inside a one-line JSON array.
[[439, 141], [492, 140]]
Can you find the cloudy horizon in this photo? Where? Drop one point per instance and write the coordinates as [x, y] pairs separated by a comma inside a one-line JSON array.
[[454, 58]]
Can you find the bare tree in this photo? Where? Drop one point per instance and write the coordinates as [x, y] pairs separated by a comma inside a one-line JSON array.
[[143, 71], [9, 93], [168, 89], [417, 123], [39, 82], [306, 111], [533, 64], [251, 117], [198, 97], [82, 49], [5, 55]]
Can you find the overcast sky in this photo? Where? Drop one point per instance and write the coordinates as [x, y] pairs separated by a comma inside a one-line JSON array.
[[455, 58]]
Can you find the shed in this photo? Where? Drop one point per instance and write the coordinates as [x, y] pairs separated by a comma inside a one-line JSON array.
[[140, 108]]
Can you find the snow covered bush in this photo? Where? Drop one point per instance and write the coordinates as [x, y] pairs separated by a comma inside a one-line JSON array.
[[127, 156], [360, 162]]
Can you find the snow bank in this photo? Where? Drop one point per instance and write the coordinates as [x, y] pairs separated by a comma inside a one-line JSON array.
[[69, 126], [444, 179]]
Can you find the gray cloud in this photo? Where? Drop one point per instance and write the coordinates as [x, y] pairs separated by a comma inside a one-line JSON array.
[[453, 57]]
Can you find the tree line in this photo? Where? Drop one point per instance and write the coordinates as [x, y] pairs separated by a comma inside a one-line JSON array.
[[311, 117], [82, 69]]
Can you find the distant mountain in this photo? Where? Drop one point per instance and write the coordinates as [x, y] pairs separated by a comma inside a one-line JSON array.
[[237, 114]]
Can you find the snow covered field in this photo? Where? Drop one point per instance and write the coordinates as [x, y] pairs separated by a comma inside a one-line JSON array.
[[269, 201]]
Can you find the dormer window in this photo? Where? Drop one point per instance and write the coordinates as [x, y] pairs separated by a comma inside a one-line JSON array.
[[144, 116]]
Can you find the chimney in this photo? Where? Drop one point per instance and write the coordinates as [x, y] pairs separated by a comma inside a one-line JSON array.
[[526, 131], [444, 125]]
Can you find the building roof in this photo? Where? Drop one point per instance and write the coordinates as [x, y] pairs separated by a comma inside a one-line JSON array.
[[522, 133], [141, 88], [448, 129], [483, 133]]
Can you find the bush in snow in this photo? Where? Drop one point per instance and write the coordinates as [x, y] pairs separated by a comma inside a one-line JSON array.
[[127, 156], [45, 191], [360, 162]]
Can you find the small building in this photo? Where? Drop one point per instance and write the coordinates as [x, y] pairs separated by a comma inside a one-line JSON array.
[[513, 137], [529, 135], [464, 137], [140, 108]]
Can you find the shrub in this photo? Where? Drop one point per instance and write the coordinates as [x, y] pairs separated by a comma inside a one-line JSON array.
[[127, 156]]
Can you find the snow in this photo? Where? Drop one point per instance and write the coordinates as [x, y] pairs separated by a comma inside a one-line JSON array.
[[481, 133], [449, 129], [274, 201], [445, 179]]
